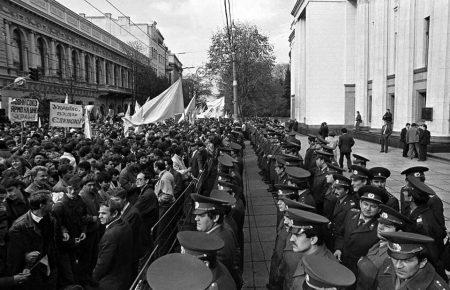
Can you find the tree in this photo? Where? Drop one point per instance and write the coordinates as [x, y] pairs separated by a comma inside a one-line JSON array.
[[146, 82], [193, 85], [255, 62]]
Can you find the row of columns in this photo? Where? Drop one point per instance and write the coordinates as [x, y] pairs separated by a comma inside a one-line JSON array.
[[117, 75]]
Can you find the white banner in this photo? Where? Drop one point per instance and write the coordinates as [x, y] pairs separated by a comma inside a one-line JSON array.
[[23, 110], [66, 115]]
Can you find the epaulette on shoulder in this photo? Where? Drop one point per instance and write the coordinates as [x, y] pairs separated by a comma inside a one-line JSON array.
[[438, 285], [355, 210]]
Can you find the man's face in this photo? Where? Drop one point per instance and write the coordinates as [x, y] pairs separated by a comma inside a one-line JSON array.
[[105, 216], [38, 159], [47, 208], [340, 191], [379, 183], [384, 228], [357, 183], [279, 169], [109, 165], [104, 185], [300, 243], [407, 127], [204, 222], [90, 185], [140, 180], [15, 163], [119, 200], [13, 192], [329, 178], [41, 177], [368, 209], [81, 172], [405, 269], [143, 160]]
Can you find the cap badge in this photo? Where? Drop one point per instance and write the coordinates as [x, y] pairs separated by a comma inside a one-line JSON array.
[[371, 195], [196, 205], [355, 172], [379, 173], [384, 215], [419, 220], [396, 247], [417, 174]]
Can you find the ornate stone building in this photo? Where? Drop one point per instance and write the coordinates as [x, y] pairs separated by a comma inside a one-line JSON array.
[[369, 56], [73, 56]]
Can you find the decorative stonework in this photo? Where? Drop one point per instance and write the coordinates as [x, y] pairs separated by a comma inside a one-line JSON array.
[[72, 20], [55, 11], [41, 4]]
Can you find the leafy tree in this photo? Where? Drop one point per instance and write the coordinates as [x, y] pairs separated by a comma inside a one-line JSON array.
[[193, 85], [258, 89]]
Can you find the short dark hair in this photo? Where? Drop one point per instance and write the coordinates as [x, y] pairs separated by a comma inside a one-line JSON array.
[[117, 192], [316, 231], [38, 198], [425, 126], [408, 124], [103, 176], [85, 165], [160, 164], [63, 169], [344, 130], [212, 213], [113, 205]]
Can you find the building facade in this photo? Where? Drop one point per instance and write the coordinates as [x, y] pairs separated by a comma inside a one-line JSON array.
[[143, 35], [73, 56], [369, 56], [175, 68]]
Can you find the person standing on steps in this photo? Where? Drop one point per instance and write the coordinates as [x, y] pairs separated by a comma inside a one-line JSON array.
[[386, 132]]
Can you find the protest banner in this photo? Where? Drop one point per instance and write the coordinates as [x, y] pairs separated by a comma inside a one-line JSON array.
[[23, 110], [66, 115]]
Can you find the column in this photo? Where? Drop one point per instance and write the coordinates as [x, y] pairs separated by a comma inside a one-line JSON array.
[[125, 85], [53, 59], [83, 67], [69, 67], [380, 63], [103, 74], [438, 81], [404, 64], [119, 77], [9, 58], [113, 74], [32, 50], [361, 58], [94, 70]]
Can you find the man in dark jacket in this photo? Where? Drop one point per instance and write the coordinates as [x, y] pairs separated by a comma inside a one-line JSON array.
[[403, 139], [386, 132], [113, 270], [16, 202], [387, 117], [31, 244], [197, 160], [345, 144], [424, 141]]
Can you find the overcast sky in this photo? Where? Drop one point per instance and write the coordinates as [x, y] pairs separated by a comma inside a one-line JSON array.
[[187, 25]]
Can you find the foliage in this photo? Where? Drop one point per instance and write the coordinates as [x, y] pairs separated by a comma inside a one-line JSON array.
[[193, 85], [258, 89], [147, 83]]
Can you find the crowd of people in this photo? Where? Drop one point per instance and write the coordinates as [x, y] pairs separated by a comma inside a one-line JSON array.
[[332, 221], [78, 213]]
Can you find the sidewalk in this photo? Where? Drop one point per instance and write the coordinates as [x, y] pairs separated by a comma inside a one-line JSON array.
[[260, 225], [437, 177]]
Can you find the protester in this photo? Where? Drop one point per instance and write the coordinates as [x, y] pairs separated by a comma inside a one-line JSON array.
[[424, 141], [403, 139]]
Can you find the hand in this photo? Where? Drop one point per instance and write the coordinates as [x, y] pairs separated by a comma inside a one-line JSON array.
[[30, 258], [82, 236], [21, 277], [66, 237], [338, 254]]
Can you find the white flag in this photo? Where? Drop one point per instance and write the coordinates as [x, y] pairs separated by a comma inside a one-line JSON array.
[[66, 101], [87, 122]]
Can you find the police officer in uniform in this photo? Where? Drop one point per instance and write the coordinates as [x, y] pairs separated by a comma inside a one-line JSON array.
[[408, 267], [379, 176], [390, 220], [319, 185], [360, 160], [360, 177], [359, 232], [205, 247], [307, 237], [299, 177]]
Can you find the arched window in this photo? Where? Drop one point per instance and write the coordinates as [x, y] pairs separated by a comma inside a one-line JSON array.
[[87, 69], [40, 55], [59, 60], [16, 49], [108, 73], [98, 71], [74, 64]]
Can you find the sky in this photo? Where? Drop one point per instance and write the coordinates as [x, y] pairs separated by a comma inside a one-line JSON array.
[[187, 25]]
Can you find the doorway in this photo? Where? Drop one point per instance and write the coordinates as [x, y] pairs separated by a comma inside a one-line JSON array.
[[391, 105], [421, 103]]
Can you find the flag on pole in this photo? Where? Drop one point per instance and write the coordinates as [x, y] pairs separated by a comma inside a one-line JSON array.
[[87, 123], [39, 122], [66, 101], [136, 106], [128, 113]]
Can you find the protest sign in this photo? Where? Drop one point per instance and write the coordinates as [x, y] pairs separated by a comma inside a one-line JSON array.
[[66, 115], [23, 110]]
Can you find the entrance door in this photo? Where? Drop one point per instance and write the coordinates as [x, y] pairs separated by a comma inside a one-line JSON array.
[[420, 103], [391, 105], [350, 107], [369, 110]]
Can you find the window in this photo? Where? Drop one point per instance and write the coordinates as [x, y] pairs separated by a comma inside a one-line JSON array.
[[426, 36], [40, 49], [59, 60], [16, 50], [108, 73], [116, 75], [74, 64], [98, 71], [87, 69], [124, 72]]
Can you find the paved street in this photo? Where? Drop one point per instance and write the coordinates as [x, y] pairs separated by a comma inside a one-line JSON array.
[[259, 230]]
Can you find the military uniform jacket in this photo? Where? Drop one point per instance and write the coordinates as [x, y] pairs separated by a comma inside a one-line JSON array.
[[299, 275], [355, 241], [425, 279], [392, 201], [222, 279], [369, 265], [339, 213], [277, 254], [319, 186]]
